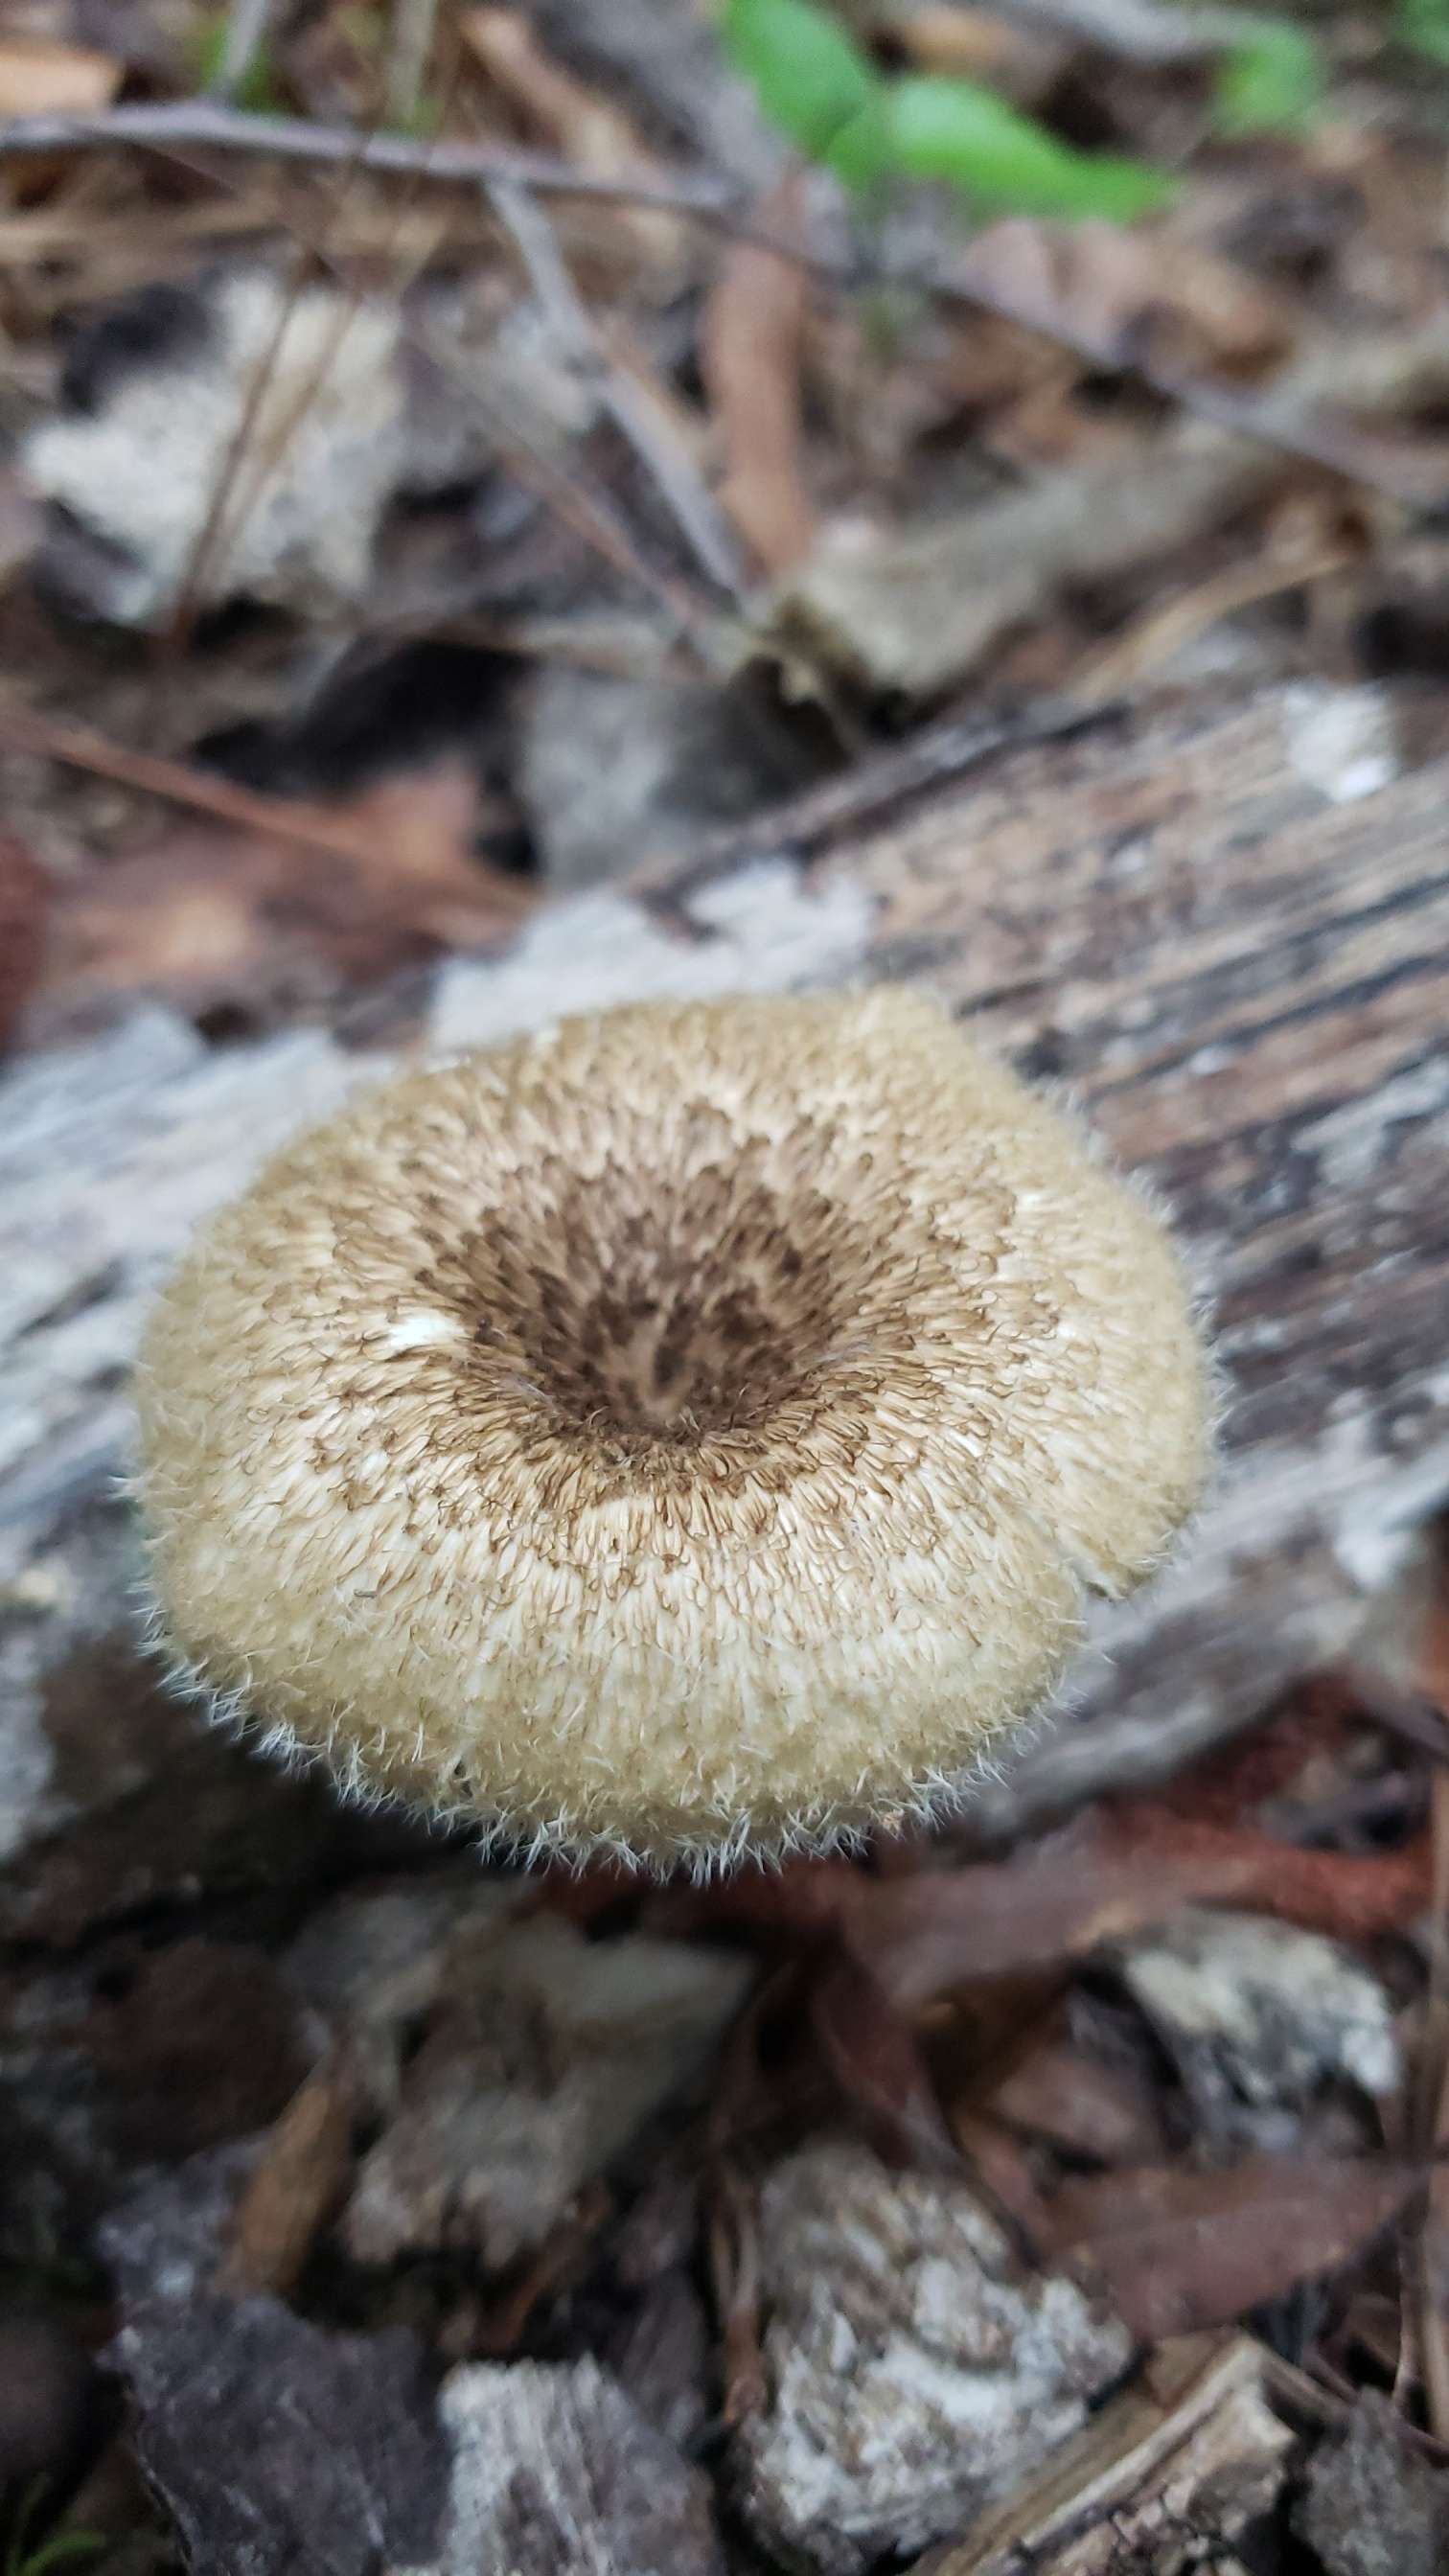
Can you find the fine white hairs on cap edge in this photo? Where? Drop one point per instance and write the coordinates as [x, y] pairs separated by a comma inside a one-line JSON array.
[[934, 1800], [724, 1842]]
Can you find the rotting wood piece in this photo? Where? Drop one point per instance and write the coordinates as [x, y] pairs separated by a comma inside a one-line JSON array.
[[1191, 2454], [1226, 930]]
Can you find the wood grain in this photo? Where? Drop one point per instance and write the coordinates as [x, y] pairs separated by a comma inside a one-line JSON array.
[[1245, 984]]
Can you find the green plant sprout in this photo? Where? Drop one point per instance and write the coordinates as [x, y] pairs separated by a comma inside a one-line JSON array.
[[1271, 82], [819, 89], [1423, 26]]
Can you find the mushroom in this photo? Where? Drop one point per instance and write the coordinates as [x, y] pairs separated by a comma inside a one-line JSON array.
[[688, 1432]]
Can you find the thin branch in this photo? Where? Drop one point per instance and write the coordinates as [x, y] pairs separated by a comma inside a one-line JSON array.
[[214, 537], [689, 502], [24, 729], [193, 124], [587, 510], [201, 124]]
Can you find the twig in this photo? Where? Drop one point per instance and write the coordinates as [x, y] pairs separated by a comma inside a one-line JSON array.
[[199, 124], [1429, 2108], [408, 58], [583, 507], [693, 511], [755, 319], [24, 730], [207, 545], [214, 534], [1110, 672]]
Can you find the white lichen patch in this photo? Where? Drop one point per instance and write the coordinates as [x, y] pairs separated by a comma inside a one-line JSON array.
[[1344, 742], [1262, 2008], [916, 2371]]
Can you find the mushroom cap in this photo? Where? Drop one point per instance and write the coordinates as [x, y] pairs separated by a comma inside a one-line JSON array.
[[685, 1432]]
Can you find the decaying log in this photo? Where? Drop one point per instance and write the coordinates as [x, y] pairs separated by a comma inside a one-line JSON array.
[[1225, 933]]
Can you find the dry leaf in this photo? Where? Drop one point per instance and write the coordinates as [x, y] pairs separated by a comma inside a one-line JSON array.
[[1346, 1894], [21, 520], [977, 44], [211, 917], [576, 121], [38, 78], [1114, 291], [914, 608], [798, 1904], [751, 357], [1059, 2092], [1051, 1902], [1103, 1879], [1177, 2250]]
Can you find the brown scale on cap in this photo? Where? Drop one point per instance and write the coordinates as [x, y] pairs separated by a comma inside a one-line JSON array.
[[689, 1432]]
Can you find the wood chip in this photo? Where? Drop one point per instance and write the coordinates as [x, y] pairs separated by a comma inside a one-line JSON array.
[[556, 2473], [1192, 2446], [916, 2371]]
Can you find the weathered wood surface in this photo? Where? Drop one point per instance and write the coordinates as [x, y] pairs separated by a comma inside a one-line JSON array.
[[1244, 979], [1226, 933]]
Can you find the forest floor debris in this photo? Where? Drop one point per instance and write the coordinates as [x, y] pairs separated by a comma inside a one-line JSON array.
[[1078, 2201], [949, 2256], [864, 478]]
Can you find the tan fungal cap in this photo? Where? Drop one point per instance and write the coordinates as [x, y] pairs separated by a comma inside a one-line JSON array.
[[687, 1432]]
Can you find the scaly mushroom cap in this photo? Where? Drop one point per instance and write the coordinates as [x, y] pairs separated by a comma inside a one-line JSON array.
[[687, 1432]]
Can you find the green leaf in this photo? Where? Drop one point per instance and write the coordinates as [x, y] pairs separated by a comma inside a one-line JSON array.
[[860, 154], [952, 129], [1423, 25], [1271, 83], [814, 85]]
